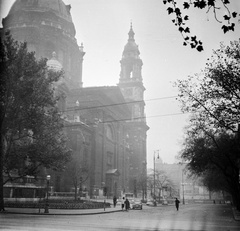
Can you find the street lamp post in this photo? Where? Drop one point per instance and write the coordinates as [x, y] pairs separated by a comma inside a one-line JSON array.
[[183, 188], [157, 151], [104, 194], [46, 204]]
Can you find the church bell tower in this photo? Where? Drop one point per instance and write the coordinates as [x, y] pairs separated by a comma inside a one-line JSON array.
[[130, 80], [132, 88]]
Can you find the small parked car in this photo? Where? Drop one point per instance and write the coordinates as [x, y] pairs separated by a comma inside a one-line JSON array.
[[150, 202], [136, 204]]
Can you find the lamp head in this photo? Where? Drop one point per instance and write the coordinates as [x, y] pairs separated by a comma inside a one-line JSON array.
[[157, 152], [48, 177]]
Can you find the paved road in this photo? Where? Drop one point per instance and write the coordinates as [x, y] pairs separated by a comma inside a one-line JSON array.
[[189, 217]]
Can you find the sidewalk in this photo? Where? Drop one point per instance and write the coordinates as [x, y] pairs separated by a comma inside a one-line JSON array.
[[36, 211], [32, 211]]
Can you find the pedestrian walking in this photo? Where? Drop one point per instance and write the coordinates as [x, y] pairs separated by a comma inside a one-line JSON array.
[[127, 204], [177, 204], [114, 201], [123, 202]]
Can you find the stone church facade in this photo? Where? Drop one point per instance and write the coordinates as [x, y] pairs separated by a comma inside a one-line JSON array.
[[106, 126]]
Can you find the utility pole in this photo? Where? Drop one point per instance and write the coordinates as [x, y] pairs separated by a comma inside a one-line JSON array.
[[183, 187], [157, 151]]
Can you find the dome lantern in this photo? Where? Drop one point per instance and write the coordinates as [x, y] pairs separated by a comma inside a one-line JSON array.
[[53, 63]]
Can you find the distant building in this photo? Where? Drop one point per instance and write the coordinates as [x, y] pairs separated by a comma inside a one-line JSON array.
[[106, 125], [185, 186]]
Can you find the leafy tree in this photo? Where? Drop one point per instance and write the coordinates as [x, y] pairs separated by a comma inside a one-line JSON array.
[[161, 181], [212, 97], [32, 134], [214, 180], [214, 94], [78, 169], [179, 9], [77, 172], [142, 185], [214, 157]]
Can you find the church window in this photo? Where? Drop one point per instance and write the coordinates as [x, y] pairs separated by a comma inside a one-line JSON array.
[[109, 158], [137, 111], [137, 94], [85, 156], [49, 48], [60, 56], [109, 132]]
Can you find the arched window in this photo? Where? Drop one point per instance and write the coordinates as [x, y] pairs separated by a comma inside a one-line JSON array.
[[109, 132], [85, 156]]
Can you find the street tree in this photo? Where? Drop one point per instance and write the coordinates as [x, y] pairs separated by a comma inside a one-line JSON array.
[[214, 94], [32, 135], [78, 169], [223, 12], [212, 97], [214, 180], [162, 181], [77, 172], [142, 185], [214, 157]]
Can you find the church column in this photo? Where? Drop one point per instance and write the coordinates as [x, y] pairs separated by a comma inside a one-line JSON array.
[[82, 53]]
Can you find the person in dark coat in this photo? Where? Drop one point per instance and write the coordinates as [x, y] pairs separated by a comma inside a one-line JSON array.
[[114, 201], [127, 204], [122, 203], [177, 204]]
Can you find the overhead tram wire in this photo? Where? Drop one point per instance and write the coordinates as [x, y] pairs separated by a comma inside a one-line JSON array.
[[133, 119], [117, 104]]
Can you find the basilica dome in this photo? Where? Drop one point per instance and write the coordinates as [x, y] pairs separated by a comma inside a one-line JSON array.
[[52, 13], [57, 6], [48, 29]]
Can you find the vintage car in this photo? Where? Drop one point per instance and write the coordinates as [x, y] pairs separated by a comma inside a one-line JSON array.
[[136, 204], [150, 203]]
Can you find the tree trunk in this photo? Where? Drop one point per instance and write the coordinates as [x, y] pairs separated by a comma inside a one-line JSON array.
[[235, 192], [238, 200], [75, 193], [1, 175]]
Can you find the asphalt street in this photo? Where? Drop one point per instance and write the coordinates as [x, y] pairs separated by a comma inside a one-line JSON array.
[[189, 217]]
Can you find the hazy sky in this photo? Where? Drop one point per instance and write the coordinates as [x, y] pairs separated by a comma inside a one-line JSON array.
[[103, 26]]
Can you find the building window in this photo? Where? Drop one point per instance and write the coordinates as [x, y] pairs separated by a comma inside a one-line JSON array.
[[109, 158], [85, 156], [109, 132]]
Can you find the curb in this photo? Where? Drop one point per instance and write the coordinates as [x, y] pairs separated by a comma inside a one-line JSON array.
[[62, 214]]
